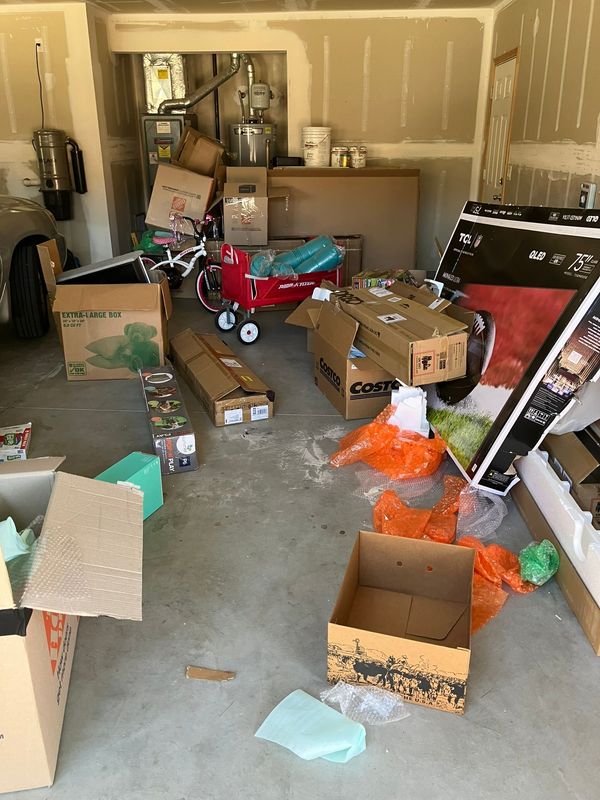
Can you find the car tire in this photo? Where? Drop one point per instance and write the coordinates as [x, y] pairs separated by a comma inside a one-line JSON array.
[[28, 295]]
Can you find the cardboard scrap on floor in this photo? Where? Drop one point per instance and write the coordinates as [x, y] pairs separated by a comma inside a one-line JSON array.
[[205, 674]]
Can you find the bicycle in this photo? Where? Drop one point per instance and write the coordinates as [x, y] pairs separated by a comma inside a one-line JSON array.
[[179, 265]]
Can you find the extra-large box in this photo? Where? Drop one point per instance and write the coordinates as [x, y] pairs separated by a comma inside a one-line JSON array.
[[357, 386], [87, 562], [113, 330], [531, 275], [227, 388], [179, 191], [575, 458], [402, 620]]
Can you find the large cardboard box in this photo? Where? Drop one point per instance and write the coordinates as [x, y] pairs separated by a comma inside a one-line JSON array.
[[199, 153], [246, 206], [113, 330], [402, 620], [88, 561], [173, 436], [227, 388], [142, 471], [531, 275], [575, 458], [577, 595], [179, 191], [358, 387], [418, 344]]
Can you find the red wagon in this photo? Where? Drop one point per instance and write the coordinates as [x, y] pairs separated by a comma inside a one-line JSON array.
[[243, 293]]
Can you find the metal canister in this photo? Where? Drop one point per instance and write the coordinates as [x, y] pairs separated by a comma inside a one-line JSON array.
[[358, 156], [339, 156]]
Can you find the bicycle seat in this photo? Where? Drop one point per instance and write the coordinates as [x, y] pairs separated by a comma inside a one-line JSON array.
[[164, 238]]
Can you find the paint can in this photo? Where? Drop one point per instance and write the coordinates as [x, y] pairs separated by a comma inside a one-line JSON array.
[[316, 146], [358, 156], [339, 156]]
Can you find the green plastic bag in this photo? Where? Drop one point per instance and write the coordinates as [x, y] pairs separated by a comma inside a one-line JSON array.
[[538, 562]]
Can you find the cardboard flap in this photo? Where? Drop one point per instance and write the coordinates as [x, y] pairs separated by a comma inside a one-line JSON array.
[[306, 315], [51, 265], [88, 559], [337, 328], [166, 296], [23, 467], [104, 297], [243, 376], [420, 294], [433, 619]]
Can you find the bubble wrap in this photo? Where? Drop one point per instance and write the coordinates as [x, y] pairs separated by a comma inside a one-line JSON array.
[[366, 704], [480, 514]]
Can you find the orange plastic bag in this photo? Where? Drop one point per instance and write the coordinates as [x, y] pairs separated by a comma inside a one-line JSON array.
[[484, 566], [410, 455], [507, 564], [453, 486], [388, 505], [392, 516], [362, 442], [488, 600], [441, 527]]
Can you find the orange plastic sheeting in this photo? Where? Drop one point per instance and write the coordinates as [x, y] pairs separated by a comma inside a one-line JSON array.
[[441, 527], [392, 516], [508, 564], [484, 566], [488, 599], [453, 486], [362, 442], [409, 456], [387, 507]]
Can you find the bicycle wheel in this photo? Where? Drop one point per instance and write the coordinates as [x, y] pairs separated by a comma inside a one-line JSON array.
[[208, 288]]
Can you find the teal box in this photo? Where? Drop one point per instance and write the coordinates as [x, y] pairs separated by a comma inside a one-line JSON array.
[[142, 471]]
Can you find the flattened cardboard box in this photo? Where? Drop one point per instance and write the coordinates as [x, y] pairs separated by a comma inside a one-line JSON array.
[[575, 458], [576, 593], [402, 620], [77, 569], [113, 330], [358, 387], [227, 388], [173, 436]]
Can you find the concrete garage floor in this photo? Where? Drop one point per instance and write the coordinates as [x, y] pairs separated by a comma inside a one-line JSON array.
[[241, 568]]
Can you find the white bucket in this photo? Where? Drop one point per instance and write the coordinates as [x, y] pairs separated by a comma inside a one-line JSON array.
[[316, 146]]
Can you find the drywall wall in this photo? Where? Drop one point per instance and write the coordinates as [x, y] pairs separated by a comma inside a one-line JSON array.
[[66, 73], [555, 140], [408, 85]]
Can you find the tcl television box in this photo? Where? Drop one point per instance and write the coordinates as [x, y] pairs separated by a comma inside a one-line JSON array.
[[86, 562], [532, 278], [402, 620]]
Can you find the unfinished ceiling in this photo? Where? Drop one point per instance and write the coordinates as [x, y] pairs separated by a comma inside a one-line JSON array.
[[270, 6]]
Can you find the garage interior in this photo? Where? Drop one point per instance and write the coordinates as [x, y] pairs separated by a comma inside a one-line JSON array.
[[243, 562]]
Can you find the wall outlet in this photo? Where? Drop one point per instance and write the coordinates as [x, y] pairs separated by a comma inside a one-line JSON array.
[[39, 43], [587, 195]]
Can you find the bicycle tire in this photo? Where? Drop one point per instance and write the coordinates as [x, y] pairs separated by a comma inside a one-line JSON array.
[[208, 288]]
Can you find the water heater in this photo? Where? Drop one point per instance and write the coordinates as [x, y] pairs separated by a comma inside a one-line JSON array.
[[252, 144]]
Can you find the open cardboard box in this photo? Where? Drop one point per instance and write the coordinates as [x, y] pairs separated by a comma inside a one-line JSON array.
[[402, 620], [358, 387], [88, 561], [575, 457], [227, 388]]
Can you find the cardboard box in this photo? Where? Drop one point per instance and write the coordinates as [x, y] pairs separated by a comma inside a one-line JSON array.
[[369, 279], [575, 458], [402, 620], [79, 569], [199, 153], [14, 441], [173, 436], [577, 595], [358, 387], [179, 191], [246, 206], [417, 344], [141, 471], [227, 388], [532, 276], [112, 330]]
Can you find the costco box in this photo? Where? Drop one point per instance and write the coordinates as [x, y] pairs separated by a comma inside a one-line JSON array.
[[179, 191], [88, 562], [358, 387], [577, 595], [173, 436], [246, 206], [402, 620], [113, 330], [227, 388], [575, 458]]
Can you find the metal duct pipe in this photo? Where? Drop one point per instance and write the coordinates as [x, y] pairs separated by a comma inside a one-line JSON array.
[[167, 106], [250, 70]]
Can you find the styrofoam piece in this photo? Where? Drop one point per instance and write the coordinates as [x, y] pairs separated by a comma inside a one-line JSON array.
[[571, 526]]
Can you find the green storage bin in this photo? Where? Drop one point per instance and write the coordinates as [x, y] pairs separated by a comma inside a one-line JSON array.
[[142, 471]]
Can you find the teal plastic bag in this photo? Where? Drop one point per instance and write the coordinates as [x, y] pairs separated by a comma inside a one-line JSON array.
[[12, 543], [310, 729]]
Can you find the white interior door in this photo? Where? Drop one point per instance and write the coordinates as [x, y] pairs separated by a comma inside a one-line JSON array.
[[496, 161]]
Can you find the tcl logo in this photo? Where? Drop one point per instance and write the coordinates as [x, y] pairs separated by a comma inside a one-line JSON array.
[[465, 238], [330, 374], [373, 388]]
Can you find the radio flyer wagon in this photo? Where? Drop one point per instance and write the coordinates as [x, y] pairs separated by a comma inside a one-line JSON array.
[[242, 293]]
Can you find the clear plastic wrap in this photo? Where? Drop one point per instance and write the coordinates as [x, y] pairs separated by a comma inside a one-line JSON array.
[[261, 263], [480, 514], [368, 705]]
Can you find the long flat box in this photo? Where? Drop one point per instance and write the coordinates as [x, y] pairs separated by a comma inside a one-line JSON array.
[[402, 620], [110, 331], [88, 562], [577, 595], [531, 276], [575, 458], [173, 436], [227, 388], [179, 191]]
